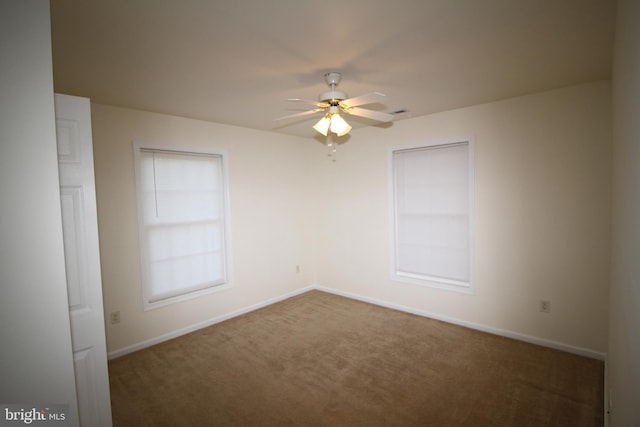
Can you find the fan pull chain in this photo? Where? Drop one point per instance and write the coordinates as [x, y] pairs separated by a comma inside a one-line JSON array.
[[332, 148]]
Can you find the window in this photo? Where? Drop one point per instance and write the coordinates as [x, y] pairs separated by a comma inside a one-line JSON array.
[[433, 211], [183, 226]]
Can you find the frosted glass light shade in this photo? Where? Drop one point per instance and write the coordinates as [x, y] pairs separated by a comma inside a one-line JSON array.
[[339, 126], [323, 125]]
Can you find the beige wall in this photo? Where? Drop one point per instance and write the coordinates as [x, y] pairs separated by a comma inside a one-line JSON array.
[[543, 216], [36, 362], [272, 217], [623, 359], [543, 176]]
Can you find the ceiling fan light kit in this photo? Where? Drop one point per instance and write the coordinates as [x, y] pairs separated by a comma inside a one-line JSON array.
[[334, 122]]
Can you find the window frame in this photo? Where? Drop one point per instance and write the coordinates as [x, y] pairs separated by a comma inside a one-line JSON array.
[[144, 245], [468, 287]]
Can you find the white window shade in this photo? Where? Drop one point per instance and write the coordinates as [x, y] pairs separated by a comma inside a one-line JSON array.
[[182, 223], [432, 196]]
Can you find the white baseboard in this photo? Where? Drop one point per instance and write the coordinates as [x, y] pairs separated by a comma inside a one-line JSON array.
[[174, 334], [496, 331], [501, 332]]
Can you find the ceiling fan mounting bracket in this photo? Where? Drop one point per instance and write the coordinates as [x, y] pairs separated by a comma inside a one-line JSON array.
[[333, 78]]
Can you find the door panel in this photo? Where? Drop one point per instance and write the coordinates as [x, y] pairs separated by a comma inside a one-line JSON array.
[[82, 258], [75, 261]]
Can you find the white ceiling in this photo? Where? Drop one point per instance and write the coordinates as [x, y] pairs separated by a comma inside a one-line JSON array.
[[237, 61]]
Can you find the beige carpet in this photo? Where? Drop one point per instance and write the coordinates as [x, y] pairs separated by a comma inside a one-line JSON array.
[[322, 360]]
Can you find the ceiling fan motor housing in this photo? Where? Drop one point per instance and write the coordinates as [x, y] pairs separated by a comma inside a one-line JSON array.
[[332, 97]]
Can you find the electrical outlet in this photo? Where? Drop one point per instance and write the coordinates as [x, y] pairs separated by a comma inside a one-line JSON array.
[[298, 268], [115, 317], [545, 306]]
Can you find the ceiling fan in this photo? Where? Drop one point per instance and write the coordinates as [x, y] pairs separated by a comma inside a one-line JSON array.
[[334, 102]]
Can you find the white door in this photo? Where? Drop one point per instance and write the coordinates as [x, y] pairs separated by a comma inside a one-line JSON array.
[[82, 257]]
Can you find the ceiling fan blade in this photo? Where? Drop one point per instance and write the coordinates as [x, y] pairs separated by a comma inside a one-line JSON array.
[[368, 98], [306, 101], [370, 114], [302, 114]]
